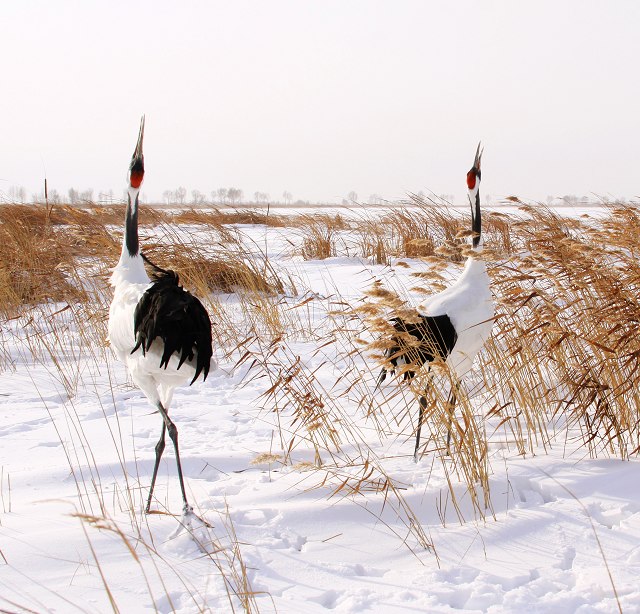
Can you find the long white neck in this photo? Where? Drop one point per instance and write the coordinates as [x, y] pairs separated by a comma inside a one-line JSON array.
[[475, 274]]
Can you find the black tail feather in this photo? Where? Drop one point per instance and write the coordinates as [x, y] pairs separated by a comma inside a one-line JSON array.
[[159, 272], [178, 318], [435, 337]]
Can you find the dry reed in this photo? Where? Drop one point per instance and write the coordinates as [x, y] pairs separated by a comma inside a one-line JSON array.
[[563, 360]]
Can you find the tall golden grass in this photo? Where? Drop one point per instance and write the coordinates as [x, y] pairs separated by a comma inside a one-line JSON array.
[[563, 352], [566, 337], [54, 296], [563, 360]]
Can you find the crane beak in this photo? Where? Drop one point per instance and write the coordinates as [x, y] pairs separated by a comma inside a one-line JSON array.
[[478, 158], [136, 168]]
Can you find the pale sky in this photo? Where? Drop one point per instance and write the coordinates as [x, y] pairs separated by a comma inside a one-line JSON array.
[[321, 98]]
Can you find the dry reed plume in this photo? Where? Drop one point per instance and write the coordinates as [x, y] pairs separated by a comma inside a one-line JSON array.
[[568, 318], [563, 353], [562, 362]]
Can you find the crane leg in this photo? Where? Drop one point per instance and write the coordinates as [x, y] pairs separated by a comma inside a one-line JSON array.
[[381, 377], [159, 451], [172, 429], [451, 405], [423, 405]]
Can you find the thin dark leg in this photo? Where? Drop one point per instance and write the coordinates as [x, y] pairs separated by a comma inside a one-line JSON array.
[[159, 451], [381, 378], [173, 435], [451, 405], [423, 405]]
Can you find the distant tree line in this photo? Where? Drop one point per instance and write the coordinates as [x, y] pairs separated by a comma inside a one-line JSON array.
[[234, 196]]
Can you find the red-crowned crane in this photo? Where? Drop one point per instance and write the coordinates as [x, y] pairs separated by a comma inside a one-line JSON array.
[[455, 323], [160, 331]]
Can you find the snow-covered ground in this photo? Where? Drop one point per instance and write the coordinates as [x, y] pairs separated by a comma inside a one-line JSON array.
[[77, 448]]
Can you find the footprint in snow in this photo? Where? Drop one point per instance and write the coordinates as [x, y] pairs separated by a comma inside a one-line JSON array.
[[256, 517], [612, 516], [350, 569], [530, 494], [23, 427], [282, 540], [328, 599], [48, 444], [567, 555], [168, 602]]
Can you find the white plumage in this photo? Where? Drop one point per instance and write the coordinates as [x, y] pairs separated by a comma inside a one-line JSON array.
[[156, 382], [157, 329], [455, 323], [470, 307]]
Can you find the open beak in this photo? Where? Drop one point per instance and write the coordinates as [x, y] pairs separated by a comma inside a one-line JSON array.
[[476, 162], [136, 168]]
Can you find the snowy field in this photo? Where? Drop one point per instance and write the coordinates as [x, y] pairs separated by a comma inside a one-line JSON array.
[[368, 530]]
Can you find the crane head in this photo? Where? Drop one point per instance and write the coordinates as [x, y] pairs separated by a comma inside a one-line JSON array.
[[473, 176], [136, 168]]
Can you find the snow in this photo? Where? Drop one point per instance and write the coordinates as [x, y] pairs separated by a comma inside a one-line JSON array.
[[77, 448]]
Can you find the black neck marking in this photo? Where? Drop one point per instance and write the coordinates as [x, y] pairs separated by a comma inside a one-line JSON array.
[[131, 226], [476, 223]]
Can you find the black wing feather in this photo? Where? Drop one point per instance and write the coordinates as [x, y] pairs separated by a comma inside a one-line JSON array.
[[168, 311], [435, 335]]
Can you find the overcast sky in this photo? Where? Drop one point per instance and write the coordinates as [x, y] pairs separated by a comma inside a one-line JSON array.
[[323, 98]]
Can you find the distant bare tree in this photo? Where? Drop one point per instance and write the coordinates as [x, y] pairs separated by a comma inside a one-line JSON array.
[[105, 197], [234, 195], [223, 194], [73, 196], [197, 197], [261, 197], [287, 197], [167, 195], [352, 196], [180, 195], [54, 197], [18, 193]]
